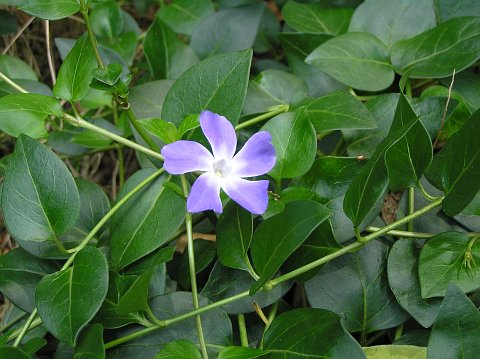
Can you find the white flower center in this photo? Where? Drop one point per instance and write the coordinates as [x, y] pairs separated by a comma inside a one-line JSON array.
[[220, 168]]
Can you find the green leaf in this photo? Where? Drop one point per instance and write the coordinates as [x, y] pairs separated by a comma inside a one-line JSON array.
[[456, 332], [234, 234], [225, 282], [276, 238], [31, 86], [392, 20], [295, 142], [403, 279], [359, 60], [310, 333], [314, 18], [437, 52], [90, 343], [395, 352], [273, 88], [204, 253], [365, 194], [109, 75], [227, 30], [444, 259], [448, 9], [146, 221], [166, 131], [338, 110], [408, 158], [180, 349], [26, 113], [467, 85], [241, 353], [42, 196], [75, 73], [147, 99], [16, 69], [106, 19], [18, 269], [461, 165], [183, 16], [49, 9], [68, 300], [355, 287], [167, 56], [218, 84], [13, 353], [135, 298]]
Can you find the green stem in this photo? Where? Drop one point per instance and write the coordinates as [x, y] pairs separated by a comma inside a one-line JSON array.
[[193, 278], [91, 35], [11, 83], [12, 323], [276, 111], [404, 234], [408, 89], [242, 328], [25, 328], [424, 193], [411, 206], [79, 122], [271, 317], [141, 131]]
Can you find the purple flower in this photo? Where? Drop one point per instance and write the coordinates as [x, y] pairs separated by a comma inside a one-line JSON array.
[[223, 170]]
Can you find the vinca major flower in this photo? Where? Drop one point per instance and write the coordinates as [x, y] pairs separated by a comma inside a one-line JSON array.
[[223, 169]]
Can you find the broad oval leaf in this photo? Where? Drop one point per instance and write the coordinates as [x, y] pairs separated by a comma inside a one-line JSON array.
[[20, 273], [355, 287], [68, 300], [26, 113], [183, 16], [180, 349], [146, 221], [75, 73], [359, 60], [15, 68], [435, 53], [310, 333], [90, 343], [241, 353], [218, 83], [448, 9], [13, 353], [392, 20], [295, 142], [444, 259], [43, 200], [49, 9], [276, 238], [339, 110]]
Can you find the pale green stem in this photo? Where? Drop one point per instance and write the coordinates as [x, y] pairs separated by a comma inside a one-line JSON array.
[[141, 131], [193, 274], [424, 193], [11, 83], [91, 35], [271, 317], [242, 328], [411, 206], [280, 109], [25, 328], [404, 234]]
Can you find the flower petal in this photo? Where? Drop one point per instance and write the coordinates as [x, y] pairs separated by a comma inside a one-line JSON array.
[[251, 195], [205, 194], [256, 158], [220, 133], [186, 156]]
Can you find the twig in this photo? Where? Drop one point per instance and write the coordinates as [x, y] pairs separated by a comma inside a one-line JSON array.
[[17, 35], [51, 65], [444, 117]]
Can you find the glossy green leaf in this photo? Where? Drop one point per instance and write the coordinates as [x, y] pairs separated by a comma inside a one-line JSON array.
[[31, 86], [146, 100], [15, 68], [276, 238], [75, 73], [183, 16], [338, 110], [167, 56], [359, 60], [316, 19], [448, 9], [392, 20], [461, 166], [204, 253], [33, 345], [135, 298], [225, 282], [26, 113], [20, 273], [42, 196], [395, 352], [445, 259], [227, 30], [241, 353], [166, 131], [310, 333], [90, 343], [146, 221], [181, 349], [456, 332], [403, 279], [218, 84], [365, 194], [13, 353], [106, 19], [408, 158], [295, 142], [273, 88], [49, 9], [234, 234], [437, 52], [68, 300], [109, 75], [363, 300]]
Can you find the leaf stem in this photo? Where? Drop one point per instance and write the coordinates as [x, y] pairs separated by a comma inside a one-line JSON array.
[[276, 110], [411, 206], [25, 328], [242, 328], [404, 234], [11, 83], [141, 131], [12, 323], [91, 35], [193, 278], [425, 194]]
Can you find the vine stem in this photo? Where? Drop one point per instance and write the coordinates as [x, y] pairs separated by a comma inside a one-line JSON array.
[[411, 206], [28, 325], [11, 83], [91, 35], [265, 116], [242, 328], [191, 266], [141, 131]]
